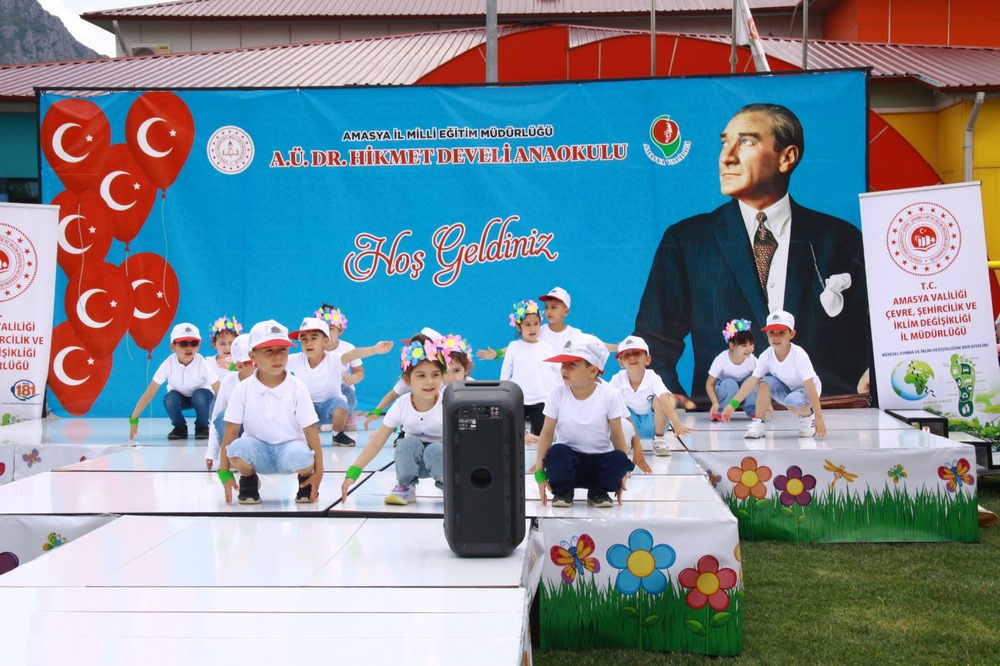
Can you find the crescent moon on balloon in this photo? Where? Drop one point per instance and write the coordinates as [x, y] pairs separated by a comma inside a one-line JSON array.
[[136, 312], [57, 146], [143, 140], [63, 242], [81, 309], [106, 191], [60, 372]]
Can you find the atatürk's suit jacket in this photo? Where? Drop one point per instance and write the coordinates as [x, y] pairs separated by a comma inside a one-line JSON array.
[[703, 275]]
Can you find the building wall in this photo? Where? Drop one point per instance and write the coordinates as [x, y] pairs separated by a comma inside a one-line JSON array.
[[946, 22], [19, 138]]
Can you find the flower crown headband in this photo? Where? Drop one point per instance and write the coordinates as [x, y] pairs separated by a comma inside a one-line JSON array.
[[735, 326], [522, 310], [430, 350], [453, 344], [332, 317], [224, 324]]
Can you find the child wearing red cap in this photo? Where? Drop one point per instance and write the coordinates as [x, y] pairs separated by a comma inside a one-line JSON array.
[[785, 373]]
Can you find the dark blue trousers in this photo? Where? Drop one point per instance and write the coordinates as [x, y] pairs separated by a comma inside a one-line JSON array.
[[597, 472]]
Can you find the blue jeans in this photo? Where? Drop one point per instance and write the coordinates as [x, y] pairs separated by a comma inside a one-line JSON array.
[[283, 458], [597, 472], [726, 388], [417, 460], [783, 395], [326, 409], [351, 395], [201, 401], [644, 424]]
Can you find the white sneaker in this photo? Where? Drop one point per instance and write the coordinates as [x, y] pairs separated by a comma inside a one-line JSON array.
[[401, 495], [326, 427], [755, 430], [660, 446], [807, 425]]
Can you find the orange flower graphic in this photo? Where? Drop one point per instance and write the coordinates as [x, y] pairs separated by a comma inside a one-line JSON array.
[[749, 478]]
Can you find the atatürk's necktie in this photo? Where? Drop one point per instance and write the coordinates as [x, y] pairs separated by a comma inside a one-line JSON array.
[[764, 246]]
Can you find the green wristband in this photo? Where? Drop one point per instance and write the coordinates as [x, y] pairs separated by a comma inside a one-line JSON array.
[[133, 421], [225, 475], [541, 476], [376, 412], [499, 353], [734, 403], [353, 473]]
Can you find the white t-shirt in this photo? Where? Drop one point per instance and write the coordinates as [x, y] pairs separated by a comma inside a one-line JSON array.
[[641, 399], [524, 364], [226, 387], [793, 371], [213, 363], [185, 379], [723, 367], [343, 347], [272, 415], [324, 380], [427, 426], [583, 425], [556, 340]]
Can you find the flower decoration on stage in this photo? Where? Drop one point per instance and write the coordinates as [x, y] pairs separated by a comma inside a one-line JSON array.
[[956, 474], [708, 584], [224, 324], [575, 557], [749, 478], [332, 317], [795, 486], [735, 326], [896, 473], [640, 563], [415, 352], [454, 344], [53, 541], [522, 310]]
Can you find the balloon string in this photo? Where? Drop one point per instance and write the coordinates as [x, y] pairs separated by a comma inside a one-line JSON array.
[[83, 257], [166, 253]]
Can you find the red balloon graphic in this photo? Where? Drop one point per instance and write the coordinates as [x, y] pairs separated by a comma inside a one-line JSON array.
[[85, 233], [76, 376], [155, 294], [159, 130], [98, 306], [75, 136], [127, 192]]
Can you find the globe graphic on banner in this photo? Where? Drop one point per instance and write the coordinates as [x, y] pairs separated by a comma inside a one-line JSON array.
[[911, 380]]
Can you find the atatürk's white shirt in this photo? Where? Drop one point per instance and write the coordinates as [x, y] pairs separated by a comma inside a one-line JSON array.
[[779, 221]]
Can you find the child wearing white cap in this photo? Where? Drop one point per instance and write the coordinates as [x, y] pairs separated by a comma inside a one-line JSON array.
[[524, 363], [322, 371], [649, 402], [239, 352], [555, 331], [191, 384], [731, 369], [785, 373], [278, 420], [582, 444]]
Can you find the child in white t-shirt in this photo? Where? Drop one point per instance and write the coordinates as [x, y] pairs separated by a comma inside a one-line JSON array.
[[582, 444], [354, 371], [555, 331], [731, 369], [222, 333], [650, 404], [322, 372], [191, 384], [785, 372], [240, 353], [419, 453], [278, 420], [524, 363]]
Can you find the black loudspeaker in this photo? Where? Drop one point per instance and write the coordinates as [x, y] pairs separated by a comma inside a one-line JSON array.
[[483, 468]]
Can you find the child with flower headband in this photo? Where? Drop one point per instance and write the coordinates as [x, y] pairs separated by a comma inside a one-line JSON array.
[[524, 363], [222, 333], [419, 453], [355, 371], [731, 368]]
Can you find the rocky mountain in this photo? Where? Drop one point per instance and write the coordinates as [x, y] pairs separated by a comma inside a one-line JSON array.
[[30, 34]]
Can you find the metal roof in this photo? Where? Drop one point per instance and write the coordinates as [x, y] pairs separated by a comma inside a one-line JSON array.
[[404, 60], [333, 9]]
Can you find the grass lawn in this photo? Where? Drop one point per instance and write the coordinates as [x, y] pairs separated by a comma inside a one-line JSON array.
[[915, 603]]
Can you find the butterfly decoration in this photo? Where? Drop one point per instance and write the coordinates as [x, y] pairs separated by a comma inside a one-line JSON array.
[[896, 473], [714, 479], [32, 458], [574, 557], [956, 474], [54, 541]]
